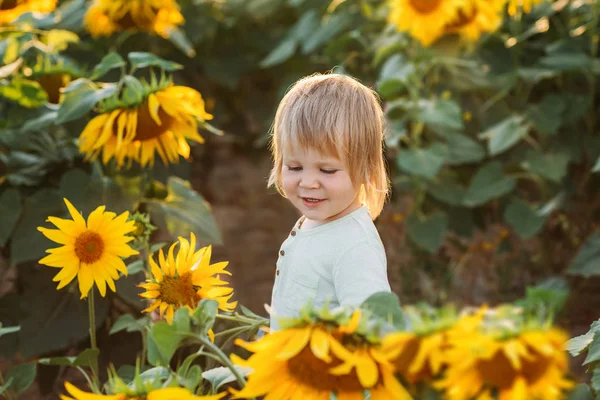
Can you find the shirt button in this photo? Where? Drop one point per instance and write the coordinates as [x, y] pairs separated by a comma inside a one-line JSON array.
[[277, 272], [282, 253], [293, 233]]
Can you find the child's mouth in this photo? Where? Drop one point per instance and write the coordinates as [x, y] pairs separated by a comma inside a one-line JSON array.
[[310, 202]]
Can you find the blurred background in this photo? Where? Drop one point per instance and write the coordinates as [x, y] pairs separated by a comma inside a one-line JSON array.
[[491, 139]]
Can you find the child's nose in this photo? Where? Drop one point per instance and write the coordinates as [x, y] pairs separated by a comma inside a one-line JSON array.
[[309, 181]]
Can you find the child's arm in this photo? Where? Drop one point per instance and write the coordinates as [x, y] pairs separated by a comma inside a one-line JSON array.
[[360, 272]]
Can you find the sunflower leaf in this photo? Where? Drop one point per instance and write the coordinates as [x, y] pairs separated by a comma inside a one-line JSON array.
[[109, 62], [386, 306], [184, 211], [162, 341], [143, 60], [8, 329], [22, 376], [10, 209], [587, 260], [80, 97], [579, 344], [220, 376], [205, 314], [128, 323], [581, 392]]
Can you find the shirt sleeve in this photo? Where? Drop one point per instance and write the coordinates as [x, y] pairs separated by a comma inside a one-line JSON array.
[[358, 274]]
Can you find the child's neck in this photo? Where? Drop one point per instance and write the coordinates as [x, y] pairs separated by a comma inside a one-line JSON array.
[[306, 223]]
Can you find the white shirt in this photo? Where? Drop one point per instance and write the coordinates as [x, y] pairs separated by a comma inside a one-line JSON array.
[[342, 261]]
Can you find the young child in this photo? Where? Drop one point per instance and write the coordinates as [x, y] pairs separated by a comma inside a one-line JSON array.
[[327, 150]]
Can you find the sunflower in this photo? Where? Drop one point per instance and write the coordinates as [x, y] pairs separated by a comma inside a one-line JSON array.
[[526, 5], [162, 123], [477, 17], [157, 394], [424, 20], [315, 358], [91, 251], [515, 362], [105, 17], [184, 279], [12, 9], [419, 355]]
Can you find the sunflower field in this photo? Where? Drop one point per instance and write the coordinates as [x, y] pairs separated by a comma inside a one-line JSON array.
[[113, 280]]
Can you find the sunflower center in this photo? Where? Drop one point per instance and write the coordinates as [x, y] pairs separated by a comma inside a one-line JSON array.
[[147, 128], [178, 290], [497, 371], [306, 368], [425, 6], [8, 4], [52, 83], [89, 247], [463, 19]]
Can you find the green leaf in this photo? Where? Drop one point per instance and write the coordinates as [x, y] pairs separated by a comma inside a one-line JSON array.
[[193, 379], [551, 294], [135, 267], [547, 115], [596, 379], [386, 306], [488, 183], [307, 24], [579, 344], [505, 134], [552, 166], [61, 312], [157, 246], [45, 119], [394, 75], [181, 41], [109, 62], [428, 232], [566, 61], [10, 210], [143, 60], [22, 376], [249, 313], [80, 97], [205, 314], [220, 376], [134, 90], [462, 149], [597, 166], [27, 242], [447, 192], [59, 39], [594, 350], [333, 26], [587, 261], [184, 211], [8, 330], [6, 385], [163, 341], [523, 218], [441, 115], [127, 323], [423, 162], [284, 50], [581, 392], [26, 93], [83, 359]]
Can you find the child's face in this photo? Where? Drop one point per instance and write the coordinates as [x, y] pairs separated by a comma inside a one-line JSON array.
[[318, 185]]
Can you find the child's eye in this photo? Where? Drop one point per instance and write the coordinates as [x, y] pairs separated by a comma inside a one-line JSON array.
[[294, 168], [329, 171]]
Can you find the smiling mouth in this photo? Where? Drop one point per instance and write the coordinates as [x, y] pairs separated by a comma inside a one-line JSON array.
[[311, 200]]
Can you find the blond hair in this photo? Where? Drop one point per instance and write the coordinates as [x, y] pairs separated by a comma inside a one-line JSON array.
[[336, 115]]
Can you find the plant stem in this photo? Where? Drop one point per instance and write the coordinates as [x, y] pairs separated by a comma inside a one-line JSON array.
[[94, 361], [223, 358], [8, 391], [241, 319]]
